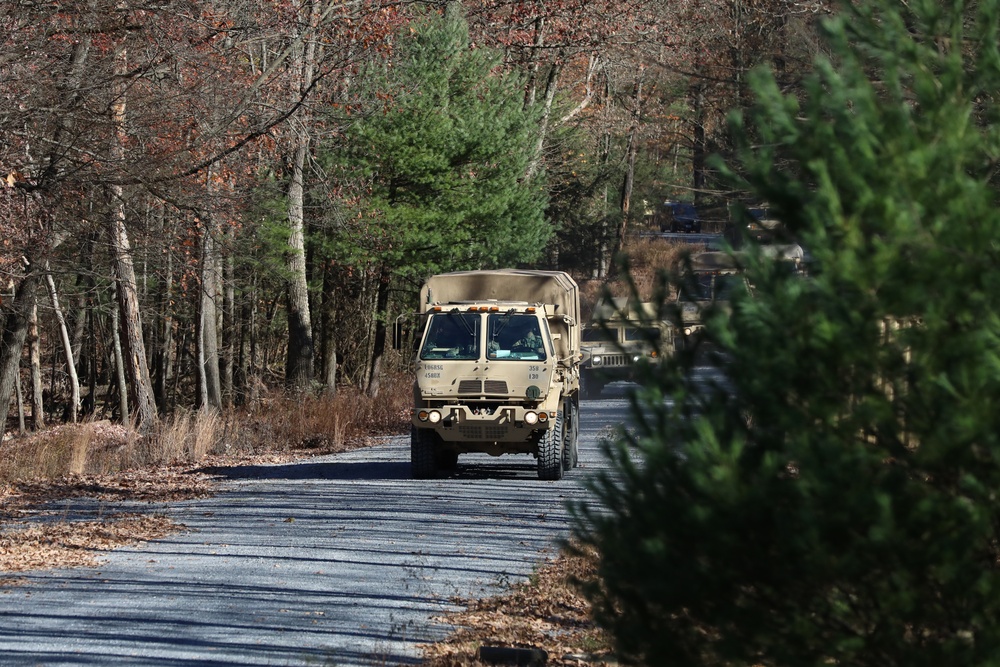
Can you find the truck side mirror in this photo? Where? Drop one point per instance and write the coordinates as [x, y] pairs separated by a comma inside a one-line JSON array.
[[398, 333]]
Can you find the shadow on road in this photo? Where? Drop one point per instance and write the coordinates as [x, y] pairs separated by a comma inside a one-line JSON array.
[[368, 470], [484, 468]]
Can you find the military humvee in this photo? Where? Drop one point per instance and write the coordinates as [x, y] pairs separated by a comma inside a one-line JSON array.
[[715, 275], [620, 338]]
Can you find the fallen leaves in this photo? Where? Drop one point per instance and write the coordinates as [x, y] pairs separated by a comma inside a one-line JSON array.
[[79, 543], [547, 612]]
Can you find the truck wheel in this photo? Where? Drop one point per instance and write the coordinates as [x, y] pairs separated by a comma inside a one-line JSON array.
[[422, 457], [571, 453], [550, 451]]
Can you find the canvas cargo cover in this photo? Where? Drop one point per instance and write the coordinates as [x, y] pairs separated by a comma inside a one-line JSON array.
[[512, 285], [553, 288], [606, 310], [713, 261]]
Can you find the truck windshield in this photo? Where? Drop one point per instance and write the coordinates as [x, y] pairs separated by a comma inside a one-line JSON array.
[[648, 334], [514, 336], [599, 334], [452, 335]]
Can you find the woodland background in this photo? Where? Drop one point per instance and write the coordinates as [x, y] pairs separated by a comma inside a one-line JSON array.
[[203, 201]]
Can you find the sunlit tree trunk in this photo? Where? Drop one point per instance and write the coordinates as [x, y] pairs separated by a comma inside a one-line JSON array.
[[133, 346], [299, 361], [211, 394], [119, 359], [301, 353], [74, 381], [35, 355], [328, 328]]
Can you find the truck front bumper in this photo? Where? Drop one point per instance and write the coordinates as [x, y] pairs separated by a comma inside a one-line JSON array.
[[462, 423]]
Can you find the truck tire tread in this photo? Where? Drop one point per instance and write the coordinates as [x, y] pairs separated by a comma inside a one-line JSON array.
[[550, 452], [423, 462]]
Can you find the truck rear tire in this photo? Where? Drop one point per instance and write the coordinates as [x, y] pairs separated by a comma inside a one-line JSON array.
[[550, 451], [571, 429], [423, 461]]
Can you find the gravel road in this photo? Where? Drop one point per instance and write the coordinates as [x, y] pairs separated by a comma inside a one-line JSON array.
[[341, 560]]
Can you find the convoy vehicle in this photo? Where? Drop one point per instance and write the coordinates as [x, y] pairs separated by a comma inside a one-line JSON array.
[[498, 370], [679, 216], [714, 277], [621, 337]]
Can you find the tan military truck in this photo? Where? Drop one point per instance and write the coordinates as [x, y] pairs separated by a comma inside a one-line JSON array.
[[497, 370], [621, 337]]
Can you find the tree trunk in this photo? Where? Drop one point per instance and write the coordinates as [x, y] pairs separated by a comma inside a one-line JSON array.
[[35, 354], [299, 362], [12, 343], [228, 330], [300, 355], [20, 405], [164, 352], [329, 341], [551, 84], [74, 380], [119, 358], [699, 152], [378, 345], [628, 182], [133, 346], [211, 393]]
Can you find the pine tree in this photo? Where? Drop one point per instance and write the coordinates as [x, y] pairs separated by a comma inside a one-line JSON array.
[[444, 160], [833, 499]]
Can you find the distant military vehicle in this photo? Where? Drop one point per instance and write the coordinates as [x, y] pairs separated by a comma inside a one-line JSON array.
[[620, 338], [679, 216], [715, 276], [498, 369]]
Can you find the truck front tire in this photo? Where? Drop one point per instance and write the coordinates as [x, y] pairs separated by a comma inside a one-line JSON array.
[[423, 462], [550, 451]]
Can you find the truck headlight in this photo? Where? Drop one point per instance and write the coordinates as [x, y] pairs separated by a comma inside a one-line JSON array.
[[530, 418], [636, 358], [596, 360], [432, 416]]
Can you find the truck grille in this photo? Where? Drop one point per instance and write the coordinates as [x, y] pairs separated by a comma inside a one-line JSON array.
[[615, 360], [482, 432], [496, 387], [476, 387]]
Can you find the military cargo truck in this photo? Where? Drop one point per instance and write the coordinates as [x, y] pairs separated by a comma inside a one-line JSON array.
[[497, 370], [620, 338]]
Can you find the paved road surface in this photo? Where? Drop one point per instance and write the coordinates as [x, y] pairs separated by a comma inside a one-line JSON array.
[[341, 560]]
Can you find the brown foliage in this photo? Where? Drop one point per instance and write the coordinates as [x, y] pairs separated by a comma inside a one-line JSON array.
[[547, 612]]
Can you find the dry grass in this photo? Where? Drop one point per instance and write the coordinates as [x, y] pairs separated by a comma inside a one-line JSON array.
[[647, 258], [275, 424]]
